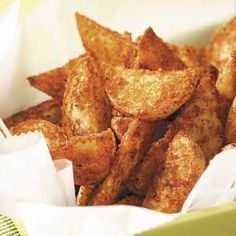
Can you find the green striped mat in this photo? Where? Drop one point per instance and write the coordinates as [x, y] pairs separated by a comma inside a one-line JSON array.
[[8, 227]]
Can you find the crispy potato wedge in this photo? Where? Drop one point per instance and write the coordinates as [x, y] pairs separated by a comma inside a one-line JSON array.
[[132, 200], [199, 118], [151, 165], [49, 110], [226, 82], [184, 165], [190, 55], [86, 108], [92, 155], [222, 43], [230, 127], [53, 82], [129, 154], [154, 54], [54, 135], [120, 125], [85, 194], [149, 95], [104, 44]]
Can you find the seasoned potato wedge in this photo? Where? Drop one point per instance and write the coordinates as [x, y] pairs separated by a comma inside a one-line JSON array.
[[129, 154], [49, 110], [226, 82], [86, 108], [132, 200], [199, 118], [184, 165], [222, 43], [54, 135], [53, 82], [154, 54], [85, 194], [149, 95], [190, 55], [104, 44], [230, 127], [92, 155]]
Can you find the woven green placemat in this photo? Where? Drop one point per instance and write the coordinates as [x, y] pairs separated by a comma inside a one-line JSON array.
[[8, 227]]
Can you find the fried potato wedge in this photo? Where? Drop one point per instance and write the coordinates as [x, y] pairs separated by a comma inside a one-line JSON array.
[[85, 194], [131, 200], [130, 152], [230, 127], [120, 125], [149, 95], [54, 135], [226, 82], [184, 165], [49, 110], [53, 82], [151, 165], [86, 108], [190, 55], [154, 54], [104, 44], [222, 43], [92, 155], [199, 118]]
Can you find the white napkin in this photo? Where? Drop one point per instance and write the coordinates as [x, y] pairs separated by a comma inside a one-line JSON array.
[[27, 173]]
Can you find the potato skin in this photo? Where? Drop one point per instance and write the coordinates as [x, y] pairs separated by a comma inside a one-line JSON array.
[[105, 44], [149, 95], [49, 110], [53, 82], [184, 165], [86, 108], [92, 155], [222, 43], [154, 54]]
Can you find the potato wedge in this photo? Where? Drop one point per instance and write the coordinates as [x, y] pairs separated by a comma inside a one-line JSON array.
[[54, 135], [49, 110], [226, 82], [152, 164], [85, 194], [129, 154], [92, 155], [120, 125], [230, 127], [154, 54], [191, 56], [149, 95], [199, 118], [131, 200], [104, 44], [184, 165], [222, 43], [86, 108], [53, 82]]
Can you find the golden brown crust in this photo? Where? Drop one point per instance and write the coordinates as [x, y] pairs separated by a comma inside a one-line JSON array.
[[104, 44], [184, 165], [132, 200], [85, 194], [53, 82], [230, 128], [199, 118], [222, 43], [154, 54], [190, 55], [128, 155], [49, 110], [92, 155], [226, 82], [86, 108], [149, 95]]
